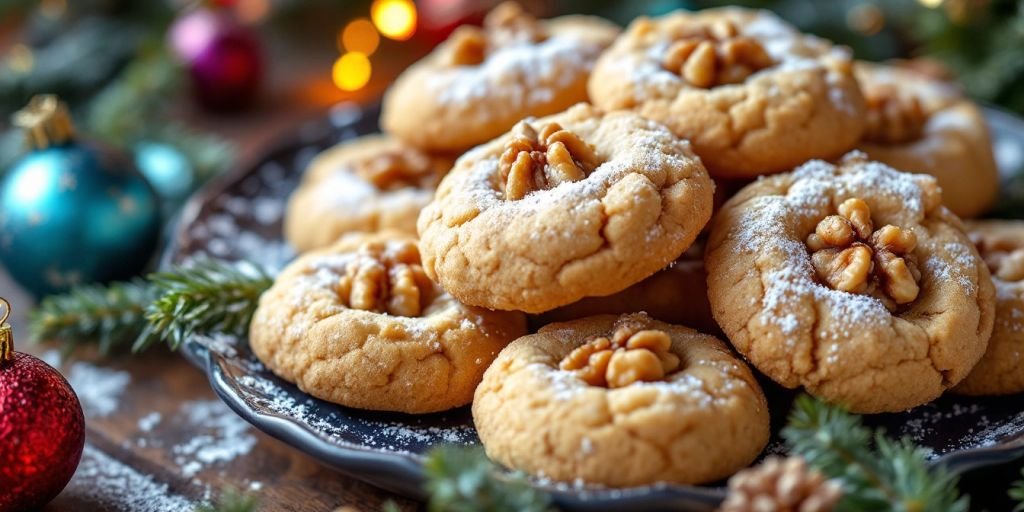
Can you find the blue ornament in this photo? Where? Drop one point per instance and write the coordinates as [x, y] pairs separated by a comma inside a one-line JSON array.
[[166, 169], [71, 212]]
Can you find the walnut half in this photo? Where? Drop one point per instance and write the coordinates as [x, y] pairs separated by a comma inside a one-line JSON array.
[[1004, 256], [892, 117], [386, 278], [505, 25], [630, 355], [715, 55], [849, 255], [540, 160], [396, 169]]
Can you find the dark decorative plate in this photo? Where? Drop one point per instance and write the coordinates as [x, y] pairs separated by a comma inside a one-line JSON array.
[[238, 217]]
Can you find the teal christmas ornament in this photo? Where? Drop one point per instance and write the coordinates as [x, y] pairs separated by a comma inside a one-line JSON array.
[[72, 212], [166, 168]]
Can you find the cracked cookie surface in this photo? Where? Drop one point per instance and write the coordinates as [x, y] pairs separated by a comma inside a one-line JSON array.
[[621, 401], [869, 346], [577, 233], [1001, 370], [751, 93], [368, 184], [480, 82], [917, 123], [358, 324]]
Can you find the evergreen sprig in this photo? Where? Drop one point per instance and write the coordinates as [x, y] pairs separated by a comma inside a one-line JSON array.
[[211, 296], [461, 479], [113, 315], [231, 500], [876, 472], [1016, 492]]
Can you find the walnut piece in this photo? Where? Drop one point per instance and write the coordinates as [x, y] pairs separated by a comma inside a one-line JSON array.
[[540, 160], [506, 24], [715, 55], [892, 117], [386, 278], [849, 255], [632, 354], [398, 168], [1003, 255]]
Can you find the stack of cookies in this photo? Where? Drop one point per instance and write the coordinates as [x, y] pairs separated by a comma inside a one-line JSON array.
[[562, 221]]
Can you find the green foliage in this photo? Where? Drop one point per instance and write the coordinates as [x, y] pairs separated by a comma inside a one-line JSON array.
[[231, 501], [1016, 492], [113, 315], [876, 472], [208, 297], [462, 479]]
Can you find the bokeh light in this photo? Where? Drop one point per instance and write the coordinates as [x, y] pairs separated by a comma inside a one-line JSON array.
[[866, 19], [351, 71], [252, 11], [396, 19], [359, 36], [930, 3], [21, 59]]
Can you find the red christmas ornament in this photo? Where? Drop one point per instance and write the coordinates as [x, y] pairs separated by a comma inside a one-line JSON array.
[[42, 429], [223, 56]]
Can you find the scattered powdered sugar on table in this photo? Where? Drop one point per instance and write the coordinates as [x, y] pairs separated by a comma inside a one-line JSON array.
[[109, 484], [147, 422], [99, 389], [218, 436]]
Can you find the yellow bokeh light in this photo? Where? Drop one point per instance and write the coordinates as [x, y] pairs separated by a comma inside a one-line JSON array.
[[930, 3], [359, 36], [352, 71], [396, 19]]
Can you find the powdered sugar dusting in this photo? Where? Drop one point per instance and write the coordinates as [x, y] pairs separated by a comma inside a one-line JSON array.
[[107, 484], [218, 436], [99, 389]]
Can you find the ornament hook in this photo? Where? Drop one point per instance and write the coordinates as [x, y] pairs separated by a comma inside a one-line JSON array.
[[6, 334]]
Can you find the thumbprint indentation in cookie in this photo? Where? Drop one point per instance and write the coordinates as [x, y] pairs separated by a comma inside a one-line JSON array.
[[543, 159], [506, 25], [386, 277], [395, 169], [893, 117], [850, 255], [706, 56], [1003, 255], [631, 354]]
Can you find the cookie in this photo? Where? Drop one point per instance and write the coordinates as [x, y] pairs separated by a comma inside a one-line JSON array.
[[359, 324], [480, 82], [853, 281], [677, 294], [573, 205], [369, 184], [1001, 370], [917, 123], [621, 401], [752, 94]]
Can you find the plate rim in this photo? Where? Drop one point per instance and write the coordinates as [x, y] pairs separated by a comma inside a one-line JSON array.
[[404, 471]]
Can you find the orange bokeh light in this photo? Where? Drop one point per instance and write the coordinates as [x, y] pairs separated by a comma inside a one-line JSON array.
[[359, 36], [352, 71], [396, 19]]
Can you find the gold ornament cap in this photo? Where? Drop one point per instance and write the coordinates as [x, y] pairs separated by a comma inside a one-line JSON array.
[[46, 122], [6, 334]]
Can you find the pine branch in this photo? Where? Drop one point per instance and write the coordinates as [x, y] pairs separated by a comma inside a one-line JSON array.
[[113, 316], [1017, 493], [876, 472], [464, 480], [209, 297], [231, 501]]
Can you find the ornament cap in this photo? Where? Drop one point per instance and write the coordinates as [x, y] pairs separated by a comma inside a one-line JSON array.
[[46, 122], [6, 334]]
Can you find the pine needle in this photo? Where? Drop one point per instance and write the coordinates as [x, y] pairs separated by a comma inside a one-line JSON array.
[[876, 472], [231, 501], [1016, 493], [209, 297], [462, 479], [112, 316]]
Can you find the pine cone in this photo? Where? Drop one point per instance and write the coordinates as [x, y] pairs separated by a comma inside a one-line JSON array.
[[781, 485]]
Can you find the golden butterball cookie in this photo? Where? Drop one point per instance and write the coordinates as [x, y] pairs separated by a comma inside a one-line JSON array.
[[752, 94], [573, 205], [853, 281], [368, 184], [621, 401], [359, 324], [677, 294], [917, 123], [480, 82], [1001, 370]]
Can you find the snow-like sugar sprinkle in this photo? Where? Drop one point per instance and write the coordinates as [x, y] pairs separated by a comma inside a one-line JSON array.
[[147, 422], [218, 436], [105, 483], [99, 389]]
